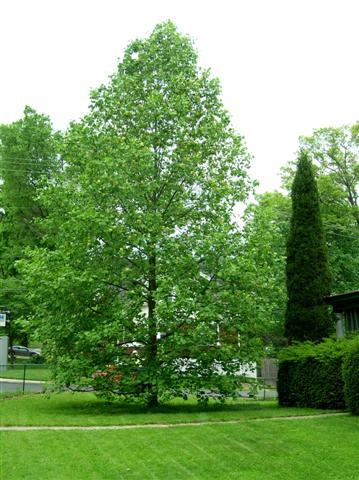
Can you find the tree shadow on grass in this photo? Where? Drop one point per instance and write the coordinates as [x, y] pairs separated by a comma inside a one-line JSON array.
[[99, 407]]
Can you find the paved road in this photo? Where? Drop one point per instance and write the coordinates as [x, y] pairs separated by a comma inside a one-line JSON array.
[[17, 385]]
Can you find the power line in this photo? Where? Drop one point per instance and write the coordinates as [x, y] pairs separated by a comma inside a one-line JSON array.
[[354, 237], [17, 160], [28, 157], [26, 168], [7, 290]]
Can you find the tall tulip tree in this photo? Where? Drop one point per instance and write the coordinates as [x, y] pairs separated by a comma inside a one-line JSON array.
[[138, 291]]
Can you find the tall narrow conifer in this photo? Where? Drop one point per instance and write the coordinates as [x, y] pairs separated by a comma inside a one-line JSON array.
[[308, 278]]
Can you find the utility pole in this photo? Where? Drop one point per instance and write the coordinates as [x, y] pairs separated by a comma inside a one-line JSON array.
[[4, 339]]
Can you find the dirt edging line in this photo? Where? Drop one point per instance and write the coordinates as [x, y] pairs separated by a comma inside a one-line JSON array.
[[163, 425]]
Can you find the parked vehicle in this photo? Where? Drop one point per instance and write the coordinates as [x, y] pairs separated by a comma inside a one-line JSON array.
[[20, 351]]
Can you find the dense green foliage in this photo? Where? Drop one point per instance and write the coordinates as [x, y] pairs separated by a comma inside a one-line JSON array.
[[310, 375], [335, 156], [308, 279], [336, 151], [351, 377], [28, 159], [139, 290], [265, 231]]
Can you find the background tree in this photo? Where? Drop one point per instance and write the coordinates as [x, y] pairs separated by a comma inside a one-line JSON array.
[[335, 156], [335, 152], [28, 157], [265, 233], [308, 279], [140, 293]]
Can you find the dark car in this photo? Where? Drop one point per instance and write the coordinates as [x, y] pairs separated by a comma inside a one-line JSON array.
[[20, 351]]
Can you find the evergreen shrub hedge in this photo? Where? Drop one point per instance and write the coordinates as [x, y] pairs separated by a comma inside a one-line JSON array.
[[310, 375], [351, 377]]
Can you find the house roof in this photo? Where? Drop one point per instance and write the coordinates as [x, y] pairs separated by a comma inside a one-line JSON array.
[[344, 301]]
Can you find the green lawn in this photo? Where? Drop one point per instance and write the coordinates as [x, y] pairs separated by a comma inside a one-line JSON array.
[[33, 372], [87, 409], [315, 449]]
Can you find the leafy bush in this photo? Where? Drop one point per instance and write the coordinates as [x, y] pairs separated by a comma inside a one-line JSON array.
[[310, 375], [351, 377], [37, 359]]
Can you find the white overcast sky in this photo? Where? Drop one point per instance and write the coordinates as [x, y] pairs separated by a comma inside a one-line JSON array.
[[286, 66]]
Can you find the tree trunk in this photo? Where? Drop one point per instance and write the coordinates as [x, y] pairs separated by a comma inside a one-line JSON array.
[[152, 333]]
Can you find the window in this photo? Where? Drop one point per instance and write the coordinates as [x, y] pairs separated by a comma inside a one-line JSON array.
[[351, 320]]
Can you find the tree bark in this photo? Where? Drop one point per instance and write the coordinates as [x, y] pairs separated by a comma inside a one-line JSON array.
[[152, 332]]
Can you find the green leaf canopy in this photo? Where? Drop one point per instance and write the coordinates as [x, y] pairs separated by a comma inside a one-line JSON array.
[[138, 290]]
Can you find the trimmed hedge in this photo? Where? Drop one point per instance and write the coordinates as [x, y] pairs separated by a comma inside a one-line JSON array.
[[351, 377], [310, 375]]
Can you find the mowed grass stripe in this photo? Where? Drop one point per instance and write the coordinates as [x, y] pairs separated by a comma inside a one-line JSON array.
[[318, 449]]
